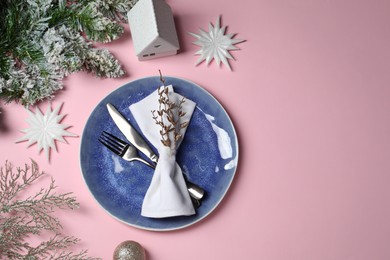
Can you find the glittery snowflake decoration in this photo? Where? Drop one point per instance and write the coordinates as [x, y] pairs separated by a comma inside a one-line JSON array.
[[215, 44], [45, 129]]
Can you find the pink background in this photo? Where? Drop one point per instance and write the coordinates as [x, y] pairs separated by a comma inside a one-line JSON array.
[[309, 96]]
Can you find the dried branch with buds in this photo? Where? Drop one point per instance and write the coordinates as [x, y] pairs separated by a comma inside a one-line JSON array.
[[168, 117]]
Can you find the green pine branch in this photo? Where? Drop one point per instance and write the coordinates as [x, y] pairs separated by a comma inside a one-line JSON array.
[[43, 41]]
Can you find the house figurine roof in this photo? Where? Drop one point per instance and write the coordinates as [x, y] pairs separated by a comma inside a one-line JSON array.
[[153, 29]]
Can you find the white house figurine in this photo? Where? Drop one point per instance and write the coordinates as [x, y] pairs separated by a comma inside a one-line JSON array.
[[153, 29]]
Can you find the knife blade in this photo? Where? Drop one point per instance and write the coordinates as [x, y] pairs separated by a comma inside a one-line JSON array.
[[130, 133]]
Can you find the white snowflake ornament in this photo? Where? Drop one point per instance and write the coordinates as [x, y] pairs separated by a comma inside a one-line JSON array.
[[215, 44], [45, 129]]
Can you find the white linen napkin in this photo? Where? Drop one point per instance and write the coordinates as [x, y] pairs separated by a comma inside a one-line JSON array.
[[167, 195]]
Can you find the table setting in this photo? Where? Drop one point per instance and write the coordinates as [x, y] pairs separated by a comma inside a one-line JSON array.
[[164, 130], [210, 129]]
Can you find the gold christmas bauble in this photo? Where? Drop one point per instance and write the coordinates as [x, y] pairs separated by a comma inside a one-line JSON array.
[[129, 250]]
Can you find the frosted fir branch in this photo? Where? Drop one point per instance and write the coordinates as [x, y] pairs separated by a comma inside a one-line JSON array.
[[21, 218], [102, 63], [47, 40], [65, 52], [116, 9], [40, 15], [95, 25], [30, 84], [68, 51]]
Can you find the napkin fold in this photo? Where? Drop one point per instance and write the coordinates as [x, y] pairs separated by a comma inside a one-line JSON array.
[[167, 195]]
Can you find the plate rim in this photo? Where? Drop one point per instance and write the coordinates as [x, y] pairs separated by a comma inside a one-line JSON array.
[[227, 186]]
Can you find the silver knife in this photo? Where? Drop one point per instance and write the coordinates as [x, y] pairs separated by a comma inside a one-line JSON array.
[[131, 134], [136, 139]]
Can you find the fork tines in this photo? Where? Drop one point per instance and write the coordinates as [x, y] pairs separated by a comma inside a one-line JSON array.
[[113, 143]]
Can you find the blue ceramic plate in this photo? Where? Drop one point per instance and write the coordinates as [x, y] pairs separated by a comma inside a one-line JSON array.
[[208, 155]]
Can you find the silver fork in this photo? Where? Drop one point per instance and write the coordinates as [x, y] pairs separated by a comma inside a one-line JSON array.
[[121, 148], [130, 153]]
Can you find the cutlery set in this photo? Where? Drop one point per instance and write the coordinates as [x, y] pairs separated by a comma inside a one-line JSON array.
[[121, 148], [129, 151]]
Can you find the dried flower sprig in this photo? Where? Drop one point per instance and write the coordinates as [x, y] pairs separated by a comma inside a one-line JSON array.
[[168, 116], [22, 218]]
